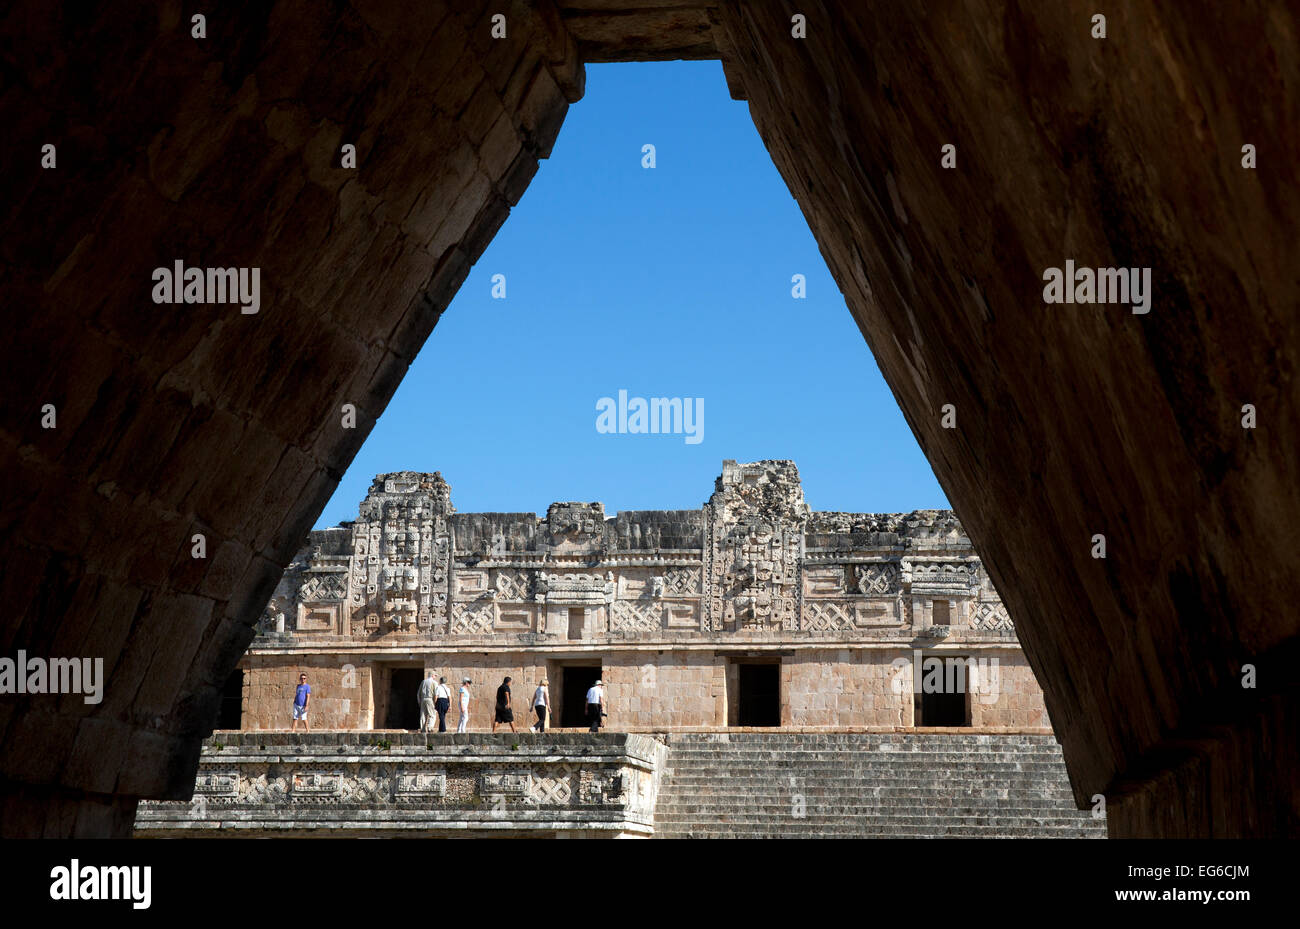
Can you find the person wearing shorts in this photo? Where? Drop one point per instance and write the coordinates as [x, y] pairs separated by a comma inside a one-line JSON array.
[[301, 697]]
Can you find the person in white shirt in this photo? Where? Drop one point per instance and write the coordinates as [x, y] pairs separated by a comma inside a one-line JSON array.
[[464, 705], [442, 702], [425, 699], [596, 705], [541, 703]]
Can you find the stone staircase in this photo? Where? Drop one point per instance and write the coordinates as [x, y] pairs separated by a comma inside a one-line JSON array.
[[867, 785]]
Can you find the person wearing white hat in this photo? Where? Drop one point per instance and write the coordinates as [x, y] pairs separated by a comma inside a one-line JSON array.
[[596, 704]]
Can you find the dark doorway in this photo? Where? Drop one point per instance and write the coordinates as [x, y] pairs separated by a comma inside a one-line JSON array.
[[760, 695], [403, 708], [574, 684], [941, 709], [231, 714]]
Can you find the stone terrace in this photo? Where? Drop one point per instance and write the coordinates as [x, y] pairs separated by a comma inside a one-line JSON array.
[[719, 784]]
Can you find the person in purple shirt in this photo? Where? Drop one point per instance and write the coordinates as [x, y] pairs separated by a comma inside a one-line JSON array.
[[301, 698]]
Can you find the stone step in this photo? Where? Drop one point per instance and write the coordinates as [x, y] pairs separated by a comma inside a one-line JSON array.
[[887, 814], [831, 751], [864, 784], [851, 788], [785, 804], [883, 830], [868, 744], [882, 821], [884, 772], [895, 748], [863, 779], [900, 757], [889, 833], [759, 751], [698, 804], [912, 818]]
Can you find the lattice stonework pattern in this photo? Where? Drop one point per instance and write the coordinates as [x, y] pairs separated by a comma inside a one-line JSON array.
[[556, 787], [878, 579], [991, 614], [825, 616], [471, 618], [513, 584], [319, 587], [636, 617], [681, 581]]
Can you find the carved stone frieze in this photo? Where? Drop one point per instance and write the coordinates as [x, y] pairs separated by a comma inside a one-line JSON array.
[[755, 561]]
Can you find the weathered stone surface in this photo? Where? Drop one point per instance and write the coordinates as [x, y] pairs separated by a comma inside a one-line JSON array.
[[1085, 419], [854, 785], [175, 420], [666, 604], [735, 784], [390, 784]]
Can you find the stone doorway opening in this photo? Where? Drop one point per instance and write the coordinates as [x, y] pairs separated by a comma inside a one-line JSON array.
[[231, 714], [574, 679], [403, 711], [758, 693], [947, 705]]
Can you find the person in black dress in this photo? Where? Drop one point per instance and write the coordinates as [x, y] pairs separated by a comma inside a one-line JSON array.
[[505, 712]]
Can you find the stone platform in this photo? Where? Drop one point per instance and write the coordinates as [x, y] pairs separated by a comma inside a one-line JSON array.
[[576, 784], [377, 783], [724, 783]]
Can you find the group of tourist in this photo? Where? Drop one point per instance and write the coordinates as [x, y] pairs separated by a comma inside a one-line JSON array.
[[435, 700]]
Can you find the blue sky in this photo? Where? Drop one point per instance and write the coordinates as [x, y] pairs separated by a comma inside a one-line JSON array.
[[666, 282]]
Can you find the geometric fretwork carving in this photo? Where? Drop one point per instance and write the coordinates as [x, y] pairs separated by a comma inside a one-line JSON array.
[[633, 616], [878, 579], [826, 616], [991, 614], [471, 618], [556, 787], [514, 584], [679, 581], [319, 587]]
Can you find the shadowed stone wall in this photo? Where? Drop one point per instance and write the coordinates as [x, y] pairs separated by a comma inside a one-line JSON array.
[[196, 419], [1081, 420]]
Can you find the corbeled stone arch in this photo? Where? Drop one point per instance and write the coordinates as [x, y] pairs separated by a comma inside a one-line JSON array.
[[174, 421], [1071, 421], [1083, 420]]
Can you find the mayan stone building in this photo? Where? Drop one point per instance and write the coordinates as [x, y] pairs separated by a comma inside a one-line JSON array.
[[750, 611]]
